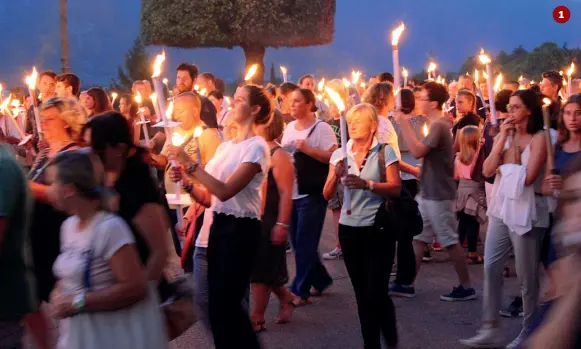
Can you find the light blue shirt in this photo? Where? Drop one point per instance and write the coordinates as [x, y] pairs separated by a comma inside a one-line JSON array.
[[364, 203]]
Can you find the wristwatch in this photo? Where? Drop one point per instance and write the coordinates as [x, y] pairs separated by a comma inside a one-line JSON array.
[[78, 302], [369, 185], [191, 168]]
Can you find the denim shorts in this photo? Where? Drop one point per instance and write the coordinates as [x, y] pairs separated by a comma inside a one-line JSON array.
[[439, 222]]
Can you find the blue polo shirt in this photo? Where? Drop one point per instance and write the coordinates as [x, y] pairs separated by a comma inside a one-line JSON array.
[[364, 203]]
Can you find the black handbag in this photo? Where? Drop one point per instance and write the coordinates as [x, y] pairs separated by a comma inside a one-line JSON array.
[[401, 214], [311, 173]]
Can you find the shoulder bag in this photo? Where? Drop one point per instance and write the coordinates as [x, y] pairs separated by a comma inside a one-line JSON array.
[[311, 173]]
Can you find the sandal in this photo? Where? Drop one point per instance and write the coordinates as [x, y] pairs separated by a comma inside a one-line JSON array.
[[474, 260], [316, 293], [259, 326], [284, 314], [299, 302]]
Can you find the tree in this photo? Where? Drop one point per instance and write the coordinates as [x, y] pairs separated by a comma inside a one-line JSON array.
[[137, 67], [64, 34], [252, 25]]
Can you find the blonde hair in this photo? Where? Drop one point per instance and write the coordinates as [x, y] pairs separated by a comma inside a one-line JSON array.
[[471, 98], [365, 111], [71, 112], [469, 140]]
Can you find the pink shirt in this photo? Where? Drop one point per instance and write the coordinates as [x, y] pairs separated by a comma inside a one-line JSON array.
[[462, 171]]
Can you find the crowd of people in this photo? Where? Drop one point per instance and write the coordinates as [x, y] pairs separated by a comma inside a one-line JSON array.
[[89, 235]]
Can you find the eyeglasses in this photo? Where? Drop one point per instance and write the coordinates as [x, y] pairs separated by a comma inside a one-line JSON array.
[[513, 107]]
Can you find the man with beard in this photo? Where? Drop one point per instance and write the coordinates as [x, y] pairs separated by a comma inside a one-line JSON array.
[[185, 77]]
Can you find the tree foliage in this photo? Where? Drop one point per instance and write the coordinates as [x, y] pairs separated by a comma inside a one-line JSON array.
[[250, 24], [137, 67]]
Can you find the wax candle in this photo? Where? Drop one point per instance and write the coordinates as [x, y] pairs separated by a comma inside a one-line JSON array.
[[484, 59]]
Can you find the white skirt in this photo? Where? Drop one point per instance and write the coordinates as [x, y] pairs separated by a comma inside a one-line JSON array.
[[138, 326]]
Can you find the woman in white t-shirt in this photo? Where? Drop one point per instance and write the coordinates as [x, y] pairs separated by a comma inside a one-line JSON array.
[[311, 143], [231, 187], [101, 298]]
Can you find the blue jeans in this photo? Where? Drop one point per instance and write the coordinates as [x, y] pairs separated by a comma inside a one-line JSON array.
[[306, 225], [201, 294]]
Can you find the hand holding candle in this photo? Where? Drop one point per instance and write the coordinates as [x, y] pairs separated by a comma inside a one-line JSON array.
[[142, 120], [484, 59], [341, 107]]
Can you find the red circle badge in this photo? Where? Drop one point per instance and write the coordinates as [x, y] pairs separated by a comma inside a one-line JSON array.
[[561, 14]]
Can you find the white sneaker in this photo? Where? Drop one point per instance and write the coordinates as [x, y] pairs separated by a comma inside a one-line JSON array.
[[522, 336], [485, 338], [336, 253]]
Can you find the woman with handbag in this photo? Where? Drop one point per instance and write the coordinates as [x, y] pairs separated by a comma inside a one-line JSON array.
[[101, 298], [518, 156], [368, 247], [311, 143], [470, 203]]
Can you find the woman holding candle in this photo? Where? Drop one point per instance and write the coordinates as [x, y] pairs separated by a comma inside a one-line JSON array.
[[368, 250], [311, 142], [520, 160], [270, 271], [61, 124], [97, 102], [230, 187]]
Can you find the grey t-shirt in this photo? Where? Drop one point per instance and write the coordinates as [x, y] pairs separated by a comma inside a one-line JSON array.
[[437, 179]]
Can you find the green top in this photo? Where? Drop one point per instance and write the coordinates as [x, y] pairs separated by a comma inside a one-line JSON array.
[[16, 286]]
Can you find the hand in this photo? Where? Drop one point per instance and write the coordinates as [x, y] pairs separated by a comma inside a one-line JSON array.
[[178, 154], [278, 235], [507, 126], [42, 145], [555, 182], [182, 229], [176, 174], [62, 306], [340, 169], [354, 182], [416, 172], [301, 145]]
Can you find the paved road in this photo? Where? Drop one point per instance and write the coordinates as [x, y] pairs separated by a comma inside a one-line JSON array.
[[332, 322]]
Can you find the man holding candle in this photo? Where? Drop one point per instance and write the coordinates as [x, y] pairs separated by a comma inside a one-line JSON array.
[[185, 77], [437, 186]]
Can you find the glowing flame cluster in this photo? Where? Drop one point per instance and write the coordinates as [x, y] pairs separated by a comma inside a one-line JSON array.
[[321, 85], [498, 83], [198, 132], [484, 59], [355, 76], [283, 70], [425, 130], [251, 72], [159, 59], [138, 98], [153, 97], [336, 98], [571, 70], [404, 72], [396, 34], [31, 79], [546, 102], [432, 67], [113, 97], [177, 139], [346, 82]]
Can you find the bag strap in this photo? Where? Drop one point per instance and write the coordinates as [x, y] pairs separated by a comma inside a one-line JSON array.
[[381, 161], [313, 129]]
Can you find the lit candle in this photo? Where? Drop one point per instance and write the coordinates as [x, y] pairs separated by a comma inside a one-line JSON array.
[[425, 130], [405, 76], [321, 85], [355, 75], [177, 141], [484, 59], [431, 70], [142, 121], [153, 98], [283, 70], [341, 107], [16, 111], [569, 80], [547, 126], [158, 88], [498, 83], [251, 72], [197, 134], [31, 82], [113, 97], [396, 70]]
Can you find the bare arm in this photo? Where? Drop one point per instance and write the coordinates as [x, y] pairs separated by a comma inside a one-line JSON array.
[[320, 155], [209, 142], [152, 223], [392, 187], [417, 148], [331, 183], [284, 176], [130, 283], [537, 159], [407, 168], [224, 191], [40, 192]]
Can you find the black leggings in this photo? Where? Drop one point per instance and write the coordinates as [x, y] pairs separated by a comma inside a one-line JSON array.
[[469, 227], [406, 258], [368, 254]]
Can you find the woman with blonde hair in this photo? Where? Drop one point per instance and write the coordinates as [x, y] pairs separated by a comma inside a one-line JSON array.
[[372, 175], [62, 121]]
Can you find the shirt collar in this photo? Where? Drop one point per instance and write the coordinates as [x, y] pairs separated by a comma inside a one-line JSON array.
[[350, 151]]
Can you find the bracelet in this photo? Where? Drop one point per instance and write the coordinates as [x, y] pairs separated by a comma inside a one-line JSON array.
[[188, 188], [191, 168], [283, 225]]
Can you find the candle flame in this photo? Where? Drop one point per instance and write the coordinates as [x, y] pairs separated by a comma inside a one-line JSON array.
[[227, 100], [546, 102], [204, 92], [198, 132], [251, 71], [165, 81], [169, 111], [138, 98], [31, 79], [4, 104], [283, 70], [432, 67], [153, 97], [321, 85], [561, 72], [114, 97], [197, 87], [159, 59], [15, 103], [425, 130], [571, 70], [439, 79], [498, 83], [177, 139], [404, 72], [564, 82], [484, 59], [346, 83], [520, 78], [362, 84], [355, 75], [396, 34], [320, 96], [336, 99]]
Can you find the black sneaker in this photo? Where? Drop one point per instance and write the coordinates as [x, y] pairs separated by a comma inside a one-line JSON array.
[[459, 294], [427, 258], [402, 291], [515, 309]]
